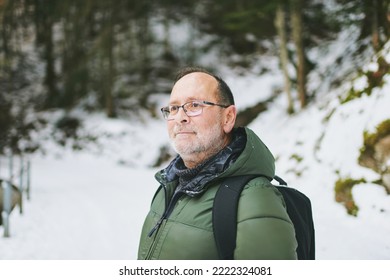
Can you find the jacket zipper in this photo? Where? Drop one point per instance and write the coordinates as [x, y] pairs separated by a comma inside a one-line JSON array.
[[154, 243], [167, 212], [168, 209], [162, 221]]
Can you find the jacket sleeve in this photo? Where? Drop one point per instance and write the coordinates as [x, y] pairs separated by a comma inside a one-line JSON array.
[[264, 229]]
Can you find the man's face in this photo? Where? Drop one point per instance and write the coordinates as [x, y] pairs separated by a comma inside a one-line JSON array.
[[197, 138]]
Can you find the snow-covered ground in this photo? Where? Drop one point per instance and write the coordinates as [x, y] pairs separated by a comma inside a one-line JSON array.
[[81, 207], [86, 205]]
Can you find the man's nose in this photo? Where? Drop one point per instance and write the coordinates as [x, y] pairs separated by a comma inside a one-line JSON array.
[[181, 116]]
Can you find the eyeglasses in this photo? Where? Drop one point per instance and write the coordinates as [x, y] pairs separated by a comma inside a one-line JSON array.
[[191, 109]]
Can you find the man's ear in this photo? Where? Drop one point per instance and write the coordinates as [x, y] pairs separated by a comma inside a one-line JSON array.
[[229, 118]]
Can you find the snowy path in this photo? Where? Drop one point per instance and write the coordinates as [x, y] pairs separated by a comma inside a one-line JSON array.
[[80, 208]]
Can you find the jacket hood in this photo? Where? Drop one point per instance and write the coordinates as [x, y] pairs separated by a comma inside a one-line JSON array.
[[255, 159]]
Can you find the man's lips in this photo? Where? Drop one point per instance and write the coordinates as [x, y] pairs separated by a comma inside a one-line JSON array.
[[185, 133]]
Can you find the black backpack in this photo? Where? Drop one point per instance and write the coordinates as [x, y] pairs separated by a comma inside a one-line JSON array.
[[225, 216]]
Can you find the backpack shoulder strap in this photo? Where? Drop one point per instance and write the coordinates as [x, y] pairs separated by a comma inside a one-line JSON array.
[[225, 214]]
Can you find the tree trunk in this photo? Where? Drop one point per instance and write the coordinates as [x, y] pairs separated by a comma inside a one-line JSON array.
[[44, 30], [375, 26], [109, 99], [280, 24], [50, 76], [296, 23]]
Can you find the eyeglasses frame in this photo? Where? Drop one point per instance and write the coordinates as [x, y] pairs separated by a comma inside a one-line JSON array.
[[203, 102]]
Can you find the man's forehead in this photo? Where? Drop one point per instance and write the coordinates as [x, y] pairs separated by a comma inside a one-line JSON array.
[[194, 85]]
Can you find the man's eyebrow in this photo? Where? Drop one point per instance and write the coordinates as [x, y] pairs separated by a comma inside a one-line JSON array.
[[175, 102]]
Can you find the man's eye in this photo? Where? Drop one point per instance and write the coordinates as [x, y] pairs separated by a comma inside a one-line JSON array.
[[195, 104], [173, 109]]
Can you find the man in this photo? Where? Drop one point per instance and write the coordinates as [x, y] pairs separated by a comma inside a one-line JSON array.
[[200, 121]]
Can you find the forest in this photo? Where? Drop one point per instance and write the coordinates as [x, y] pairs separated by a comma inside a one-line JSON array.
[[114, 56]]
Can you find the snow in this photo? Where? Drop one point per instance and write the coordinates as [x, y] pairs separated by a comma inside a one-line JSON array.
[[81, 207], [338, 235], [91, 204]]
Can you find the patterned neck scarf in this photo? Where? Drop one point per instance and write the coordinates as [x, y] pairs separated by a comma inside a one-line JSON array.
[[192, 181]]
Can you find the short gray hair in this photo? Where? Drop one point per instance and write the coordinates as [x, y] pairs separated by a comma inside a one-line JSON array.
[[224, 92]]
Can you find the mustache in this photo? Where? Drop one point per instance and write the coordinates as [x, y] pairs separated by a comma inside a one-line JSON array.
[[180, 128]]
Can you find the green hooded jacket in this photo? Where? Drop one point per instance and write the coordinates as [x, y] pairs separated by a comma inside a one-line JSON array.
[[179, 227]]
